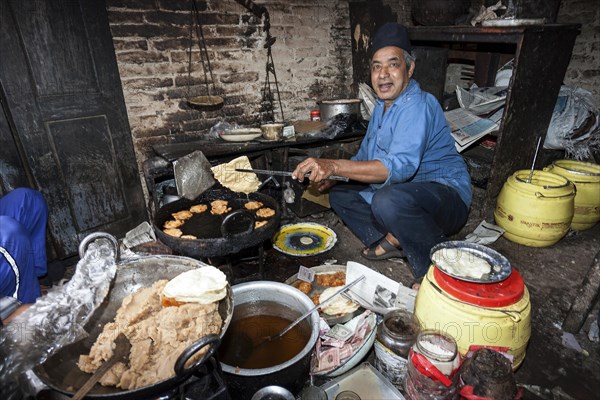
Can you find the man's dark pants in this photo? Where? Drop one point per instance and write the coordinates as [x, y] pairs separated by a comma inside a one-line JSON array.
[[419, 215]]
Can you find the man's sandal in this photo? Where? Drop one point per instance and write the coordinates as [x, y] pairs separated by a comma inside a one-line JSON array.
[[391, 251]]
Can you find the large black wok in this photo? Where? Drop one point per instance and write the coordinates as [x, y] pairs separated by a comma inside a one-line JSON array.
[[218, 235], [60, 371]]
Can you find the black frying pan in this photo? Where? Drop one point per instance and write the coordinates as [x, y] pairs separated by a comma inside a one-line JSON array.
[[218, 235], [60, 371]]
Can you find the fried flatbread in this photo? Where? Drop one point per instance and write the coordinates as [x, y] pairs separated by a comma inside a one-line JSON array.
[[265, 212], [182, 215], [172, 224], [259, 224], [253, 205], [198, 208], [173, 232], [219, 207]]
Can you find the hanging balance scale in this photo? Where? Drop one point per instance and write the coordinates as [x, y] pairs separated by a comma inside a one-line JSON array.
[[209, 101]]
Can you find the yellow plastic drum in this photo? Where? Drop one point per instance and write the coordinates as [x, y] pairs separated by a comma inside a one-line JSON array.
[[477, 314], [536, 212], [586, 178]]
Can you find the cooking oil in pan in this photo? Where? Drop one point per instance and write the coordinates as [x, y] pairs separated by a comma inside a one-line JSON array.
[[239, 349]]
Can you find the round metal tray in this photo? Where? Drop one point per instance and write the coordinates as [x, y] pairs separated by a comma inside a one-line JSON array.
[[318, 289]]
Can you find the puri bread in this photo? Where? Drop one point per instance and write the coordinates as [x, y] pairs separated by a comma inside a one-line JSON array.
[[460, 262], [203, 285], [339, 305]]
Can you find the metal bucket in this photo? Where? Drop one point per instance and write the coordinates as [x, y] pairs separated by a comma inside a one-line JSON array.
[[586, 178], [330, 108], [535, 212], [292, 374]]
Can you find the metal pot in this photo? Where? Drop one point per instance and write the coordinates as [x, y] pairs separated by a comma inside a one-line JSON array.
[[219, 235], [60, 371], [292, 374], [331, 108]]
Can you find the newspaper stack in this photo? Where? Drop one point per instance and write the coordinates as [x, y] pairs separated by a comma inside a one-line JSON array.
[[338, 344]]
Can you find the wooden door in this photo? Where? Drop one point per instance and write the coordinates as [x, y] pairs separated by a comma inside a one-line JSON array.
[[64, 112]]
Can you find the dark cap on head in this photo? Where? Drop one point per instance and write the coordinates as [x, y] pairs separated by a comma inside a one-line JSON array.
[[391, 34]]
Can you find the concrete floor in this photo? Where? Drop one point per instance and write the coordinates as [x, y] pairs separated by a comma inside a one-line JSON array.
[[552, 275]]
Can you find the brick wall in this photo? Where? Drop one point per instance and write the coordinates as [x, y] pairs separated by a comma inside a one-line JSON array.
[[312, 57], [584, 68]]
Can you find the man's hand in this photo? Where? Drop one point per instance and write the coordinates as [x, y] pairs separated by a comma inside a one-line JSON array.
[[319, 169], [326, 185]]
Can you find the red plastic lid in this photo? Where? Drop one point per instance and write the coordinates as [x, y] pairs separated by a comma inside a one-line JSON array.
[[499, 294]]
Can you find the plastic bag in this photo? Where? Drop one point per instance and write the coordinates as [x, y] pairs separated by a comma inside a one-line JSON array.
[[221, 127], [56, 319], [574, 119]]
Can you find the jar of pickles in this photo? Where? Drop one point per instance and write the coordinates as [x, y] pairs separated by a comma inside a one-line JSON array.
[[396, 335], [433, 362]]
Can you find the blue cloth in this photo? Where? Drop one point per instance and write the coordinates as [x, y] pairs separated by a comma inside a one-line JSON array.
[[413, 141], [418, 214], [427, 193], [23, 218]]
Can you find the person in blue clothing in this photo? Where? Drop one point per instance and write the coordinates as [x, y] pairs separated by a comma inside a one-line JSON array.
[[409, 188], [23, 218]]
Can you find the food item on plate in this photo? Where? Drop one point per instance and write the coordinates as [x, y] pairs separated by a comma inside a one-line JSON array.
[[198, 208], [173, 232], [253, 205], [202, 285], [332, 279], [339, 305], [159, 334], [265, 212], [259, 224], [461, 263], [191, 237], [242, 182], [304, 287], [173, 223], [182, 215], [315, 298], [219, 207]]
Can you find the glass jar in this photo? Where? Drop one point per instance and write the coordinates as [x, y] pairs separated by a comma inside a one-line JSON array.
[[395, 336], [433, 361]]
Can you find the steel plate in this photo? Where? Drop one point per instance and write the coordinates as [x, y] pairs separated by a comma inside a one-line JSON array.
[[318, 289], [501, 267]]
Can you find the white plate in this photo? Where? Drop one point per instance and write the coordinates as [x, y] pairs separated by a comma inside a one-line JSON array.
[[242, 135]]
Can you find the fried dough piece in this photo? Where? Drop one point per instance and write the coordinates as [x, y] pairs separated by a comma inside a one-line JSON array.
[[182, 215], [253, 205], [259, 224], [219, 207], [335, 279], [315, 299], [173, 223], [304, 287], [192, 237], [265, 212], [198, 208], [173, 232]]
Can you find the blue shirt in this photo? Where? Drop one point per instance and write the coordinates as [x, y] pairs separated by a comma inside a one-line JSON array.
[[413, 141]]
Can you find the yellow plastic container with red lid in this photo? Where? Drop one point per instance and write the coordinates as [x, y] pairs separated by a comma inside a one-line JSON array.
[[475, 314]]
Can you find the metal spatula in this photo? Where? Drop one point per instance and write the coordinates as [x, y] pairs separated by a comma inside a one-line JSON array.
[[121, 353], [193, 175]]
